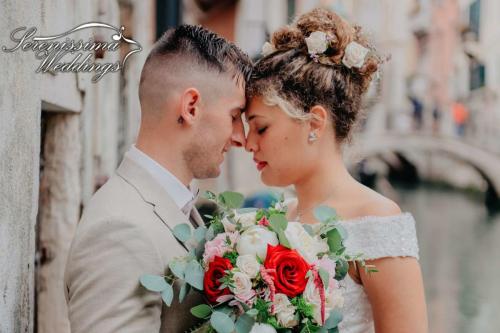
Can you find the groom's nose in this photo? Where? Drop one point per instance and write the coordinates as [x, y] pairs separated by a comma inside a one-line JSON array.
[[238, 135]]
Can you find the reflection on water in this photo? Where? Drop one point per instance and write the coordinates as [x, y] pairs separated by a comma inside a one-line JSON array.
[[460, 258]]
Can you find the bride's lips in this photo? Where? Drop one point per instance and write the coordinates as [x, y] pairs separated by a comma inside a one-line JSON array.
[[260, 164]]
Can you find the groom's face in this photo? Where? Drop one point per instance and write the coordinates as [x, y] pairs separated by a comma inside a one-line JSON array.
[[220, 127]]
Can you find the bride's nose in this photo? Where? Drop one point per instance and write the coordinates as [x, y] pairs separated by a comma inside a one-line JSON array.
[[250, 145]]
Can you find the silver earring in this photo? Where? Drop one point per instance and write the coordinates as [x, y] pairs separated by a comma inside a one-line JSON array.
[[312, 137]]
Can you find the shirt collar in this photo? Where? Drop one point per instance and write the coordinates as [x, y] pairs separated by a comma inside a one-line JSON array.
[[184, 197]]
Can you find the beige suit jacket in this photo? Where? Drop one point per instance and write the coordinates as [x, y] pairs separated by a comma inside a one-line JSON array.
[[125, 232]]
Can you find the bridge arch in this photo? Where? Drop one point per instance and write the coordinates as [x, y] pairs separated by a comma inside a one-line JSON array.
[[487, 164]]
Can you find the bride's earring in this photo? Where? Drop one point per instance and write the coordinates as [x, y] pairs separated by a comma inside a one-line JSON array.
[[312, 137]]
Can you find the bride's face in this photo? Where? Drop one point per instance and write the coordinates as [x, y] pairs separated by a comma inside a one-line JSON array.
[[278, 143]]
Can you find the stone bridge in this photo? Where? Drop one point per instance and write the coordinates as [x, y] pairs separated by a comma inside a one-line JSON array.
[[486, 163]]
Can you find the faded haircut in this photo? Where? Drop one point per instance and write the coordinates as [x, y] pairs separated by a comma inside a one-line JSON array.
[[194, 47]]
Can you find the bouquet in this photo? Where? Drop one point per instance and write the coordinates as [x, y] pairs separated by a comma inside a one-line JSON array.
[[259, 272]]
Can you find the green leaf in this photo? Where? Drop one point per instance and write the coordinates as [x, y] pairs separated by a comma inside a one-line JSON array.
[[278, 222], [253, 312], [309, 229], [210, 195], [178, 267], [210, 233], [324, 213], [244, 323], [184, 291], [168, 295], [194, 274], [231, 200], [153, 282], [333, 320], [199, 233], [334, 240], [182, 232], [201, 311], [282, 238], [325, 277], [221, 322], [341, 269], [342, 231]]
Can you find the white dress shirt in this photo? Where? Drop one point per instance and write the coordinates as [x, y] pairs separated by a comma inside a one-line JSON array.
[[183, 197]]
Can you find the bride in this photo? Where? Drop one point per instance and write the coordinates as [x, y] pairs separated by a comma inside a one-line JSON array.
[[305, 98]]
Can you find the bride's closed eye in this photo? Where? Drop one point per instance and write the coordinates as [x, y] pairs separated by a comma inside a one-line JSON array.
[[262, 130]]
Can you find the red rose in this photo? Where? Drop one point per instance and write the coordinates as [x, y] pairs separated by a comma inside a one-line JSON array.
[[289, 270], [211, 281]]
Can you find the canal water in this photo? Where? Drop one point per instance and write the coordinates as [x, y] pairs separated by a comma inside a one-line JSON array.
[[460, 258]]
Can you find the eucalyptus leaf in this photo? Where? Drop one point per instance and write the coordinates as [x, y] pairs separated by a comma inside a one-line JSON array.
[[309, 229], [283, 240], [177, 267], [199, 233], [334, 240], [342, 231], [184, 291], [194, 274], [324, 213], [210, 195], [244, 323], [253, 312], [325, 277], [333, 320], [182, 232], [341, 269], [231, 200], [168, 295], [210, 233], [278, 222], [153, 282], [201, 311], [221, 322]]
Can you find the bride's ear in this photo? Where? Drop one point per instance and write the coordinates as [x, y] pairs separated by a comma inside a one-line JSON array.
[[319, 120], [190, 106]]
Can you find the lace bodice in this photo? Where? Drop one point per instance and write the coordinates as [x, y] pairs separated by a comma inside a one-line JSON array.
[[374, 237]]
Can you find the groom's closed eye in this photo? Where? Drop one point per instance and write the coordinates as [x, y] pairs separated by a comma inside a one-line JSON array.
[[262, 130]]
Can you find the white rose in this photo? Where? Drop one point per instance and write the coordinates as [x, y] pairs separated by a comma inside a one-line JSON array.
[[262, 328], [246, 219], [228, 225], [333, 299], [242, 286], [305, 244], [311, 295], [248, 264], [267, 49], [254, 241], [354, 55], [317, 42], [284, 310]]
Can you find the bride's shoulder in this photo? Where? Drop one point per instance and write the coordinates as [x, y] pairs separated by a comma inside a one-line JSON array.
[[372, 203]]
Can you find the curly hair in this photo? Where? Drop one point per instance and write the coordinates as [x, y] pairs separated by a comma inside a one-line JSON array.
[[291, 79]]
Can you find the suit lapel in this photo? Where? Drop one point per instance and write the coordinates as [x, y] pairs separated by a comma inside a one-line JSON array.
[[196, 218], [152, 193]]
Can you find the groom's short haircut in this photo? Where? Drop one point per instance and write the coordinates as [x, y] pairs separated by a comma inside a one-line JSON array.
[[190, 51]]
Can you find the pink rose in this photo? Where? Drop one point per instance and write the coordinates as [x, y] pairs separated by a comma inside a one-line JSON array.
[[219, 245]]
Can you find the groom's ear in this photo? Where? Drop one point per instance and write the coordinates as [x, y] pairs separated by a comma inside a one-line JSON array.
[[190, 106], [319, 119]]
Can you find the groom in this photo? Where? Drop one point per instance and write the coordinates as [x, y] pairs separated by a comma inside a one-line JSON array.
[[191, 94]]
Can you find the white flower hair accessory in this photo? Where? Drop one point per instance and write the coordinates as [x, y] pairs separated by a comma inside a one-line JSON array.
[[268, 49], [317, 43], [354, 55]]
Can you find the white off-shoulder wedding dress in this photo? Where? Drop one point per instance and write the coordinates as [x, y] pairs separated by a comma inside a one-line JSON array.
[[375, 237]]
